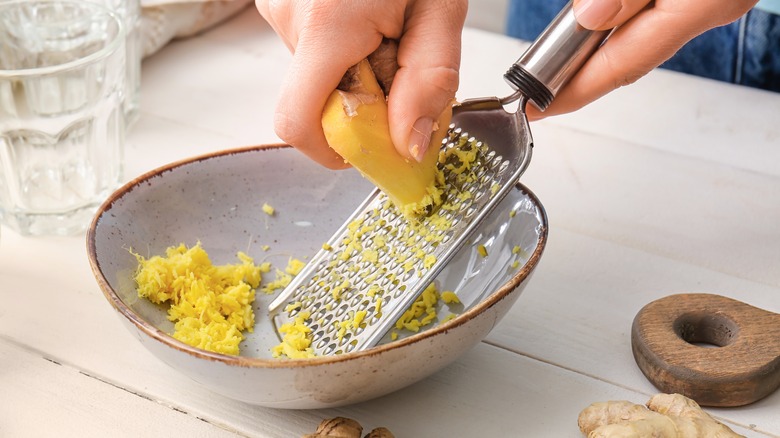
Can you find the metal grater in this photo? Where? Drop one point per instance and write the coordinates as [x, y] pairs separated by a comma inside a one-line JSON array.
[[404, 251], [380, 260]]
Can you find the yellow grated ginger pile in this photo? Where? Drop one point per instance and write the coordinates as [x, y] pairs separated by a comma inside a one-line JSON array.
[[210, 305]]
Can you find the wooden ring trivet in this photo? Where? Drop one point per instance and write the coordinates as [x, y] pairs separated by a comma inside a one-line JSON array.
[[742, 365]]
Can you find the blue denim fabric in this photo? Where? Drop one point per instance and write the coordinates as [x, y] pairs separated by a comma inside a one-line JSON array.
[[745, 52]]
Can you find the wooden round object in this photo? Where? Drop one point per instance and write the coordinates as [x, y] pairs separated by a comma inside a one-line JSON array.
[[712, 349]]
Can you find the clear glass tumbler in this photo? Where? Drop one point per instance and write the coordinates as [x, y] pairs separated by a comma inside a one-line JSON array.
[[130, 13], [62, 127]]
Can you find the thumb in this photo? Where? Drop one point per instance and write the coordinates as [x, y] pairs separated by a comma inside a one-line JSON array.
[[606, 14], [427, 77]]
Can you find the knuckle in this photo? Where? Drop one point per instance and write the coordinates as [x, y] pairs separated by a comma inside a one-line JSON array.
[[444, 79], [623, 73], [287, 129]]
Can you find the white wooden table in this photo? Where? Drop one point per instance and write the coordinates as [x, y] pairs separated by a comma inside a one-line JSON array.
[[667, 186]]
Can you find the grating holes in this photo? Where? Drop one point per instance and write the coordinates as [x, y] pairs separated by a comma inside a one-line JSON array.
[[319, 315], [323, 294], [341, 310], [348, 295]]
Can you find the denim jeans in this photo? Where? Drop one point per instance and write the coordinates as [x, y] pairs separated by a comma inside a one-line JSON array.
[[745, 52]]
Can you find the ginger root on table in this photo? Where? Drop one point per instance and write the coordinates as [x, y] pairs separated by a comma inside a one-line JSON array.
[[665, 416], [342, 427]]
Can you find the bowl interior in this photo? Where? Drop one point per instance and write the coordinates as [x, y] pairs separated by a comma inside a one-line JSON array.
[[217, 200]]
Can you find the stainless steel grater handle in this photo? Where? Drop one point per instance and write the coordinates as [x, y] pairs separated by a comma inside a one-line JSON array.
[[554, 58]]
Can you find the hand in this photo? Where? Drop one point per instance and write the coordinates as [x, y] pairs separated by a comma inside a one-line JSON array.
[[648, 33], [328, 36]]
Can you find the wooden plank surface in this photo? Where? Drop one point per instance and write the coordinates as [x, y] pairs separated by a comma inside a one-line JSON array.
[[42, 397], [640, 207]]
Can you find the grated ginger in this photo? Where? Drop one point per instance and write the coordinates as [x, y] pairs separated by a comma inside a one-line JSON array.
[[280, 282], [210, 305], [294, 266], [422, 312], [450, 297], [296, 339]]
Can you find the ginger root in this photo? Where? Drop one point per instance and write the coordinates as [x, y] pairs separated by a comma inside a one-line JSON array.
[[342, 427], [355, 123], [666, 416]]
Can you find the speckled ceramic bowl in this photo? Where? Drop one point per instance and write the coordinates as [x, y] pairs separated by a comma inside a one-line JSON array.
[[218, 199]]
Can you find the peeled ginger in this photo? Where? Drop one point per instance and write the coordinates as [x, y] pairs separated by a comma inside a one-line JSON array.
[[356, 126]]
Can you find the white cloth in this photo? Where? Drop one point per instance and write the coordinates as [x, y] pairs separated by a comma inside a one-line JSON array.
[[165, 20]]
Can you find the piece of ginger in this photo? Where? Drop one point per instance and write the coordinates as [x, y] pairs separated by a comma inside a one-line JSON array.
[[665, 416], [356, 126]]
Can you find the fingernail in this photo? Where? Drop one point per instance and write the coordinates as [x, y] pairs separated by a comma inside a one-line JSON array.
[[420, 138], [593, 14]]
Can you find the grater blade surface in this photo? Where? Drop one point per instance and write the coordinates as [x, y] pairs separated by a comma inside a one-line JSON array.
[[378, 263]]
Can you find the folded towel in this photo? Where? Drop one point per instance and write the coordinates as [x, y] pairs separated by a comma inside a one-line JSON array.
[[165, 20]]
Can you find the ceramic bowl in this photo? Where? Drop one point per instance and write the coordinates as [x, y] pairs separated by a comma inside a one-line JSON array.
[[217, 200]]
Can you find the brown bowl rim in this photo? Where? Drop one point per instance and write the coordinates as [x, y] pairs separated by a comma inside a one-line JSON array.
[[256, 362]]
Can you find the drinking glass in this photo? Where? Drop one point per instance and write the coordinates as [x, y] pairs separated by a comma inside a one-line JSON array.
[[129, 11], [62, 127]]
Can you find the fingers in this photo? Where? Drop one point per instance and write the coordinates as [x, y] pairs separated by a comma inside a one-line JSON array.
[[427, 78], [606, 14], [640, 44], [327, 37], [296, 120], [313, 74], [278, 15], [631, 52]]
